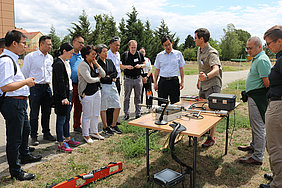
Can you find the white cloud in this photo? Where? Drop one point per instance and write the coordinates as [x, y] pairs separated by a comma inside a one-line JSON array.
[[37, 15], [235, 8]]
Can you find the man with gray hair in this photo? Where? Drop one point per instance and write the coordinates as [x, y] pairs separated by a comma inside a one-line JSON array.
[[257, 84]]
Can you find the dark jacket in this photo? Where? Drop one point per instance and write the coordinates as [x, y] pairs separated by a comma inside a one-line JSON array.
[[61, 89], [110, 70]]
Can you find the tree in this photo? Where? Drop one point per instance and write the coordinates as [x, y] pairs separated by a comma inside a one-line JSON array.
[[230, 43], [132, 29], [189, 42], [105, 29], [190, 54], [214, 44], [243, 36], [56, 42], [82, 28], [269, 53]]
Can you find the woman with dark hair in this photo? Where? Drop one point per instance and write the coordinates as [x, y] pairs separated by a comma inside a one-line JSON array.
[[89, 74], [110, 96], [62, 88]]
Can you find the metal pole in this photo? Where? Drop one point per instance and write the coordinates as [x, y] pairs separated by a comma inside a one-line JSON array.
[[147, 154], [227, 130], [194, 161]]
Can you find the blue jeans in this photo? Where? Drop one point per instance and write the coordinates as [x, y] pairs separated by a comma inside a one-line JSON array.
[[17, 131], [63, 124], [40, 96]]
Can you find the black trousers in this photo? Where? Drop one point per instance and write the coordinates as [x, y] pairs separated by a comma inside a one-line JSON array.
[[110, 111], [169, 89], [147, 87]]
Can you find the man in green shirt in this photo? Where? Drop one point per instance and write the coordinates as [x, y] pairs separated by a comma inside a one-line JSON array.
[[256, 87]]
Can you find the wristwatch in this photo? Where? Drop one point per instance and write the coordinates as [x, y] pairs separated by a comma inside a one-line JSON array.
[[207, 76]]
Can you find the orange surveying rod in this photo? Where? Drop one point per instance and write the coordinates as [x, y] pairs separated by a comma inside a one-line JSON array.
[[96, 175]]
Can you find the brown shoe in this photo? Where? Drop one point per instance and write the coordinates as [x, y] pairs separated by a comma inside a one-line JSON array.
[[249, 160], [246, 148]]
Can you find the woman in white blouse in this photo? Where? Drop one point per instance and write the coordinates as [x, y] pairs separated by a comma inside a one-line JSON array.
[[89, 90]]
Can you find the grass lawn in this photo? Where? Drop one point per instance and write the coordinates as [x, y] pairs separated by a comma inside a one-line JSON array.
[[191, 67], [214, 169]]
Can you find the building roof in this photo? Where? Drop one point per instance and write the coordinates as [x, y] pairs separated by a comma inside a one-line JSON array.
[[29, 35]]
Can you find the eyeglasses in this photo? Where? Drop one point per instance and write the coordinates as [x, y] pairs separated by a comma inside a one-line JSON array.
[[249, 48], [268, 43]]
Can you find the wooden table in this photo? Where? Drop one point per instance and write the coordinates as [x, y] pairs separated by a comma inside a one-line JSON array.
[[195, 128]]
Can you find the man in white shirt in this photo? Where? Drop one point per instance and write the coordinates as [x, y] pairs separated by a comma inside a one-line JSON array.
[[169, 63], [38, 64], [16, 88], [114, 55]]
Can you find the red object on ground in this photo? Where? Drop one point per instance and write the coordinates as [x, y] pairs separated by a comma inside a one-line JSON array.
[[96, 175]]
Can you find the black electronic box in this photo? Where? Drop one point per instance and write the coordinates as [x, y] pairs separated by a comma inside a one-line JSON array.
[[220, 101]]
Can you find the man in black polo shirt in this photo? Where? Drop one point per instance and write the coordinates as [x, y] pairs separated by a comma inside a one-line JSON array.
[[132, 64]]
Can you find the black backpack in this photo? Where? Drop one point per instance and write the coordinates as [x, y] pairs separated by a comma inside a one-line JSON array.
[[15, 72]]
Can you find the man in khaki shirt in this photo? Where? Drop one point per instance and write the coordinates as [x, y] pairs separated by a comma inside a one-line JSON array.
[[210, 72]]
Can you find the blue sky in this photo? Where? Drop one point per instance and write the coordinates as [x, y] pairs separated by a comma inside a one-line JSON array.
[[182, 17]]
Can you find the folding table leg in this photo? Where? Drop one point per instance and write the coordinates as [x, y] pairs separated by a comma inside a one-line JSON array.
[[147, 154]]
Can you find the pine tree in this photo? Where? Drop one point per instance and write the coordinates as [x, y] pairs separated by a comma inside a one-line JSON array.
[[105, 29], [56, 42], [82, 28]]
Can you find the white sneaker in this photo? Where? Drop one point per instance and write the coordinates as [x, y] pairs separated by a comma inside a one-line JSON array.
[[97, 136], [88, 141]]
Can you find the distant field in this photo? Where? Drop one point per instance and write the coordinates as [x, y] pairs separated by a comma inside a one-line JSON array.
[[191, 67]]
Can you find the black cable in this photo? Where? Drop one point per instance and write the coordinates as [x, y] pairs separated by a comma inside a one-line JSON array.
[[194, 116], [193, 106]]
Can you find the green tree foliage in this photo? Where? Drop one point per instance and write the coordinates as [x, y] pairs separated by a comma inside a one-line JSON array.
[[269, 53], [105, 29], [243, 36], [150, 42], [190, 54], [230, 43], [56, 42], [131, 29], [82, 28], [189, 42], [214, 44]]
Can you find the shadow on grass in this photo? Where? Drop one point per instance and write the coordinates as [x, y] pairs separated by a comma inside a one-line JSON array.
[[212, 171]]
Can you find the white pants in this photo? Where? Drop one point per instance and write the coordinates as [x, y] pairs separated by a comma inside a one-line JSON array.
[[90, 113]]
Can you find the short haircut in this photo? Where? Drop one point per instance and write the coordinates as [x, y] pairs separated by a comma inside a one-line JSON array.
[[165, 38], [86, 51], [12, 36], [203, 32], [131, 41], [65, 46], [2, 42], [274, 33], [100, 47], [43, 38], [256, 40], [76, 36], [114, 39]]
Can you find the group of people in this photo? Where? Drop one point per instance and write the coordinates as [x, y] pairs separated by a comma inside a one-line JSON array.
[[88, 78]]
